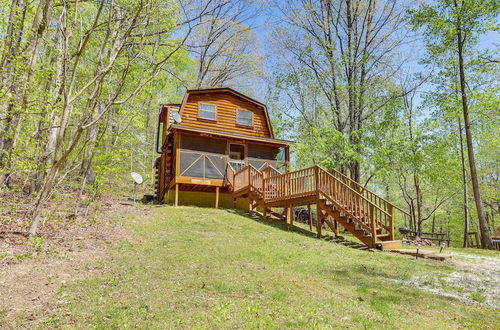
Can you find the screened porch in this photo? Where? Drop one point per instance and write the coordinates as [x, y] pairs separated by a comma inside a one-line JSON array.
[[203, 157]]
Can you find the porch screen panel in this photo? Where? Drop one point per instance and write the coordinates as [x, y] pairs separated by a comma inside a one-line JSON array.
[[258, 164], [203, 157], [261, 156], [215, 166], [191, 164], [203, 144], [263, 151]]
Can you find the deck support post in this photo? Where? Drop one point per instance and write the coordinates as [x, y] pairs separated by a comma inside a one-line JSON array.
[[310, 217], [319, 212], [319, 220], [216, 197], [331, 225], [289, 214], [176, 195], [373, 225], [391, 222]]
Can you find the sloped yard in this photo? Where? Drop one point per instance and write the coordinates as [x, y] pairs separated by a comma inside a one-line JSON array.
[[206, 268]]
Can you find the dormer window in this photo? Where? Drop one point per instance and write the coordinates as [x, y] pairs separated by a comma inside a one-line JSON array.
[[207, 111], [245, 118]]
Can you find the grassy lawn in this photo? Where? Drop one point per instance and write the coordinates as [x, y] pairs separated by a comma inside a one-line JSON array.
[[205, 268]]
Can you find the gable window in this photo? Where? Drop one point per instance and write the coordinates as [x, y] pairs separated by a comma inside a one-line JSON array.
[[207, 111], [245, 117]]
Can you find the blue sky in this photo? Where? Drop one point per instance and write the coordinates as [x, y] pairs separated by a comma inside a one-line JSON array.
[[266, 21]]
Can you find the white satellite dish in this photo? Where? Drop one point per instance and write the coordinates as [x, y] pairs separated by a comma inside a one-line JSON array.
[[137, 177], [176, 117], [137, 180]]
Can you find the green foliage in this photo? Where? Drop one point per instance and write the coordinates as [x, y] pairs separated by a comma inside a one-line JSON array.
[[396, 148], [128, 91], [439, 22]]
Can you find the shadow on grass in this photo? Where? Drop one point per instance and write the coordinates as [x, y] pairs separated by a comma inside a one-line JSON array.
[[362, 272], [274, 223]]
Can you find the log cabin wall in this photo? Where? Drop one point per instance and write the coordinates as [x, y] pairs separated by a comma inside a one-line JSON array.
[[196, 151], [226, 114]]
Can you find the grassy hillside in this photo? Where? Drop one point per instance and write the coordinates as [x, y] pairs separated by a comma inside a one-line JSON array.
[[206, 268]]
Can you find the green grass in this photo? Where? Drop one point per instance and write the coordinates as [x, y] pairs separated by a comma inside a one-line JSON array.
[[479, 297], [206, 268]]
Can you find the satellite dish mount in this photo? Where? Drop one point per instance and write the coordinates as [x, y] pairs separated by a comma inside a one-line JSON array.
[[137, 180]]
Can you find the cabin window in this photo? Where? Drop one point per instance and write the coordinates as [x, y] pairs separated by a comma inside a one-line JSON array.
[[207, 111], [245, 117]]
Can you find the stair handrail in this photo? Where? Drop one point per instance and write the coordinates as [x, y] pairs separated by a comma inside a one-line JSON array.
[[238, 174], [363, 188], [354, 191], [250, 181], [243, 169], [372, 208], [259, 173], [229, 175], [272, 168]]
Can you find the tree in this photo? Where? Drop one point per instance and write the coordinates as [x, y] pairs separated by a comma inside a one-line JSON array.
[[451, 29], [70, 69], [225, 47], [346, 53]]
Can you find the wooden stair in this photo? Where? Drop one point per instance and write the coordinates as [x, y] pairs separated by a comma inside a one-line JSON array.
[[353, 226], [339, 201]]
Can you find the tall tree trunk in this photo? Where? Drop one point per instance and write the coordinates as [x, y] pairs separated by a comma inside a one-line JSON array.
[[464, 180], [418, 191], [486, 242]]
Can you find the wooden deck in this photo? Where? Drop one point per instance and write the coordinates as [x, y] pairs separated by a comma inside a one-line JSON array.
[[338, 200]]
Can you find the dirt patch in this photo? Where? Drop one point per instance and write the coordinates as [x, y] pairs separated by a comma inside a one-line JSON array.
[[475, 280], [32, 273]]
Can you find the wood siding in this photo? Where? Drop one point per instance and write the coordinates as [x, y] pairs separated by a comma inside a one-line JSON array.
[[227, 105]]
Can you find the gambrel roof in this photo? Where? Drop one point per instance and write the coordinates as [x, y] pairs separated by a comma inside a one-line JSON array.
[[232, 92]]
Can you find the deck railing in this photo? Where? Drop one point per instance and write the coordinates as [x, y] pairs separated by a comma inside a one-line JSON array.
[[249, 177], [368, 210], [289, 185], [241, 179], [270, 171], [230, 175]]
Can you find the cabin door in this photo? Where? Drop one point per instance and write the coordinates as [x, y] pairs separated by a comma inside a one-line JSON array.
[[237, 156]]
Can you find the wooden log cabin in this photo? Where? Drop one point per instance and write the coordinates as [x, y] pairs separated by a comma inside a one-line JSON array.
[[218, 149], [205, 139]]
